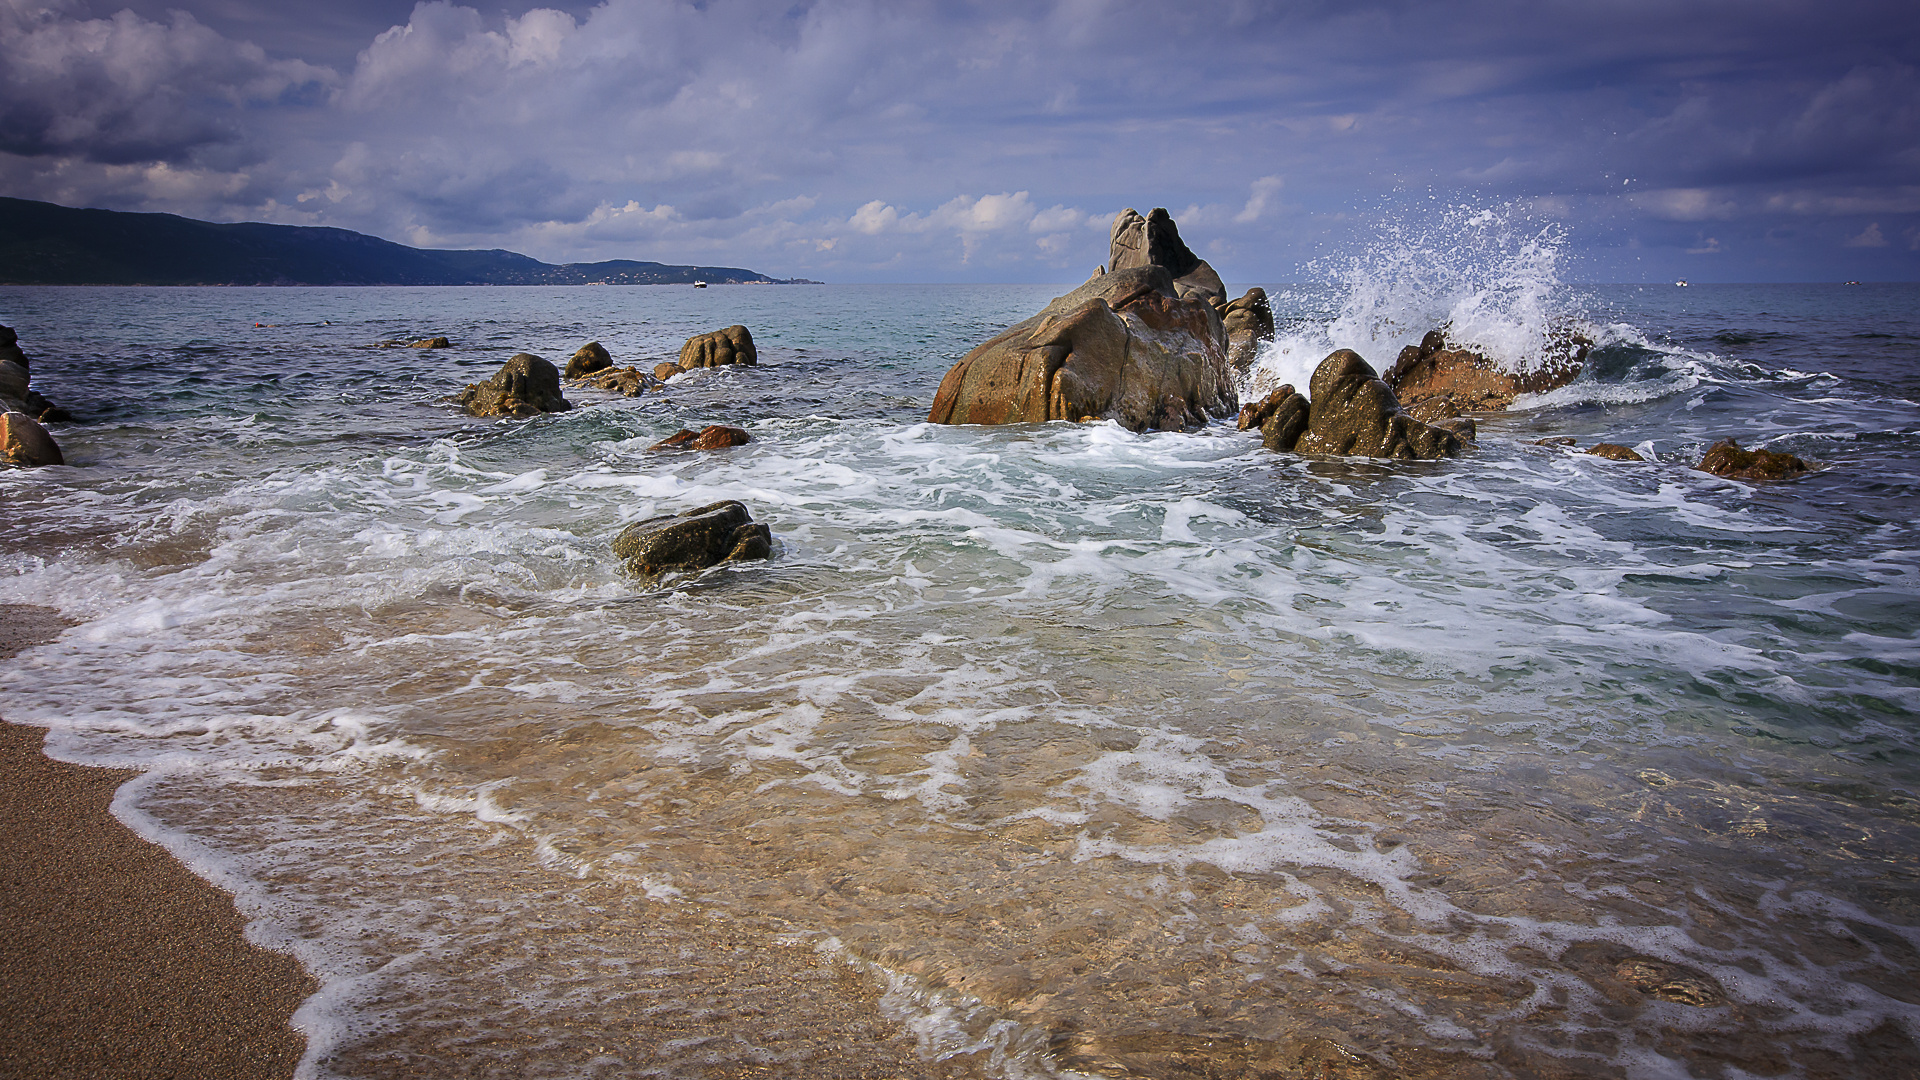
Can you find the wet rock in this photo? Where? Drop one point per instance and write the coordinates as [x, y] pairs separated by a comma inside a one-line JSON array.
[[1353, 412], [1249, 324], [430, 343], [1436, 379], [1123, 347], [721, 348], [1557, 440], [629, 381], [13, 380], [1615, 452], [1462, 426], [524, 386], [1670, 982], [1255, 413], [590, 358], [711, 437], [16, 391], [694, 540], [1725, 458], [1154, 240], [663, 372], [25, 443]]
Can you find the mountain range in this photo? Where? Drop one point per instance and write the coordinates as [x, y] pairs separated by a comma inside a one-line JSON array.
[[46, 244]]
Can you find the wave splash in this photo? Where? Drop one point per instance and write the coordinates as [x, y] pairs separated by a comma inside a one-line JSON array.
[[1491, 276]]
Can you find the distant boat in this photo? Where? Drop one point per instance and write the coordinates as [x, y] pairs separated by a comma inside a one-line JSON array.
[[1682, 283], [699, 284], [1853, 283]]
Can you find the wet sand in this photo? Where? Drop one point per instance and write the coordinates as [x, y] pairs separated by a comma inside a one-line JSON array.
[[115, 960]]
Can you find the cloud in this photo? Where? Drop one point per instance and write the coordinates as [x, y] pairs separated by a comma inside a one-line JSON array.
[[1870, 237], [124, 90], [846, 138], [1263, 189]]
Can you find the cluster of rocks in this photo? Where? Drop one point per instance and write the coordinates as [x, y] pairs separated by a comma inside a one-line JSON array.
[[1724, 458], [1351, 411], [24, 441]]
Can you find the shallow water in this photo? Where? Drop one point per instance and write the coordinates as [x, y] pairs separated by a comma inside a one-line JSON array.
[[1036, 751]]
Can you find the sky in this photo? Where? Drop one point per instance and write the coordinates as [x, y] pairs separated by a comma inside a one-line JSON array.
[[840, 140]]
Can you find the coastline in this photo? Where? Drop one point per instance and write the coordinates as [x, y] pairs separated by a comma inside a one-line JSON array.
[[117, 960]]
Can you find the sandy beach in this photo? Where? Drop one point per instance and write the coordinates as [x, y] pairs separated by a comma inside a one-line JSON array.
[[117, 961]]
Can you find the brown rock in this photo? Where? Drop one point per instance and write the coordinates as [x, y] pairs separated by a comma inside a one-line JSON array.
[[1249, 323], [1670, 982], [592, 357], [1254, 414], [694, 540], [524, 386], [1122, 346], [1435, 380], [663, 372], [25, 443], [1353, 412], [719, 436], [1283, 427], [734, 345], [1615, 452], [430, 343], [711, 437], [629, 381], [1725, 458], [1558, 440]]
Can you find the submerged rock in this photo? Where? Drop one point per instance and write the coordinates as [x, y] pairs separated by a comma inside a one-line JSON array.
[[1725, 458], [430, 343], [711, 437], [1249, 324], [590, 358], [1353, 412], [721, 348], [694, 540], [524, 386], [629, 381], [25, 443], [1436, 379], [1615, 452], [1125, 346]]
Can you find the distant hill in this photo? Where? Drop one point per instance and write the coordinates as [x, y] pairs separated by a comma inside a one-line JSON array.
[[45, 244]]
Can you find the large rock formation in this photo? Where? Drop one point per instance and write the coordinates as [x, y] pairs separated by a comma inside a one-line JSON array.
[[694, 540], [590, 358], [1437, 379], [1142, 344], [1725, 458], [524, 386], [1154, 240], [1352, 412], [1249, 323], [734, 345]]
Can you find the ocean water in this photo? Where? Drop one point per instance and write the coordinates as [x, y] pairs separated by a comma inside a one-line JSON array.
[[1040, 751]]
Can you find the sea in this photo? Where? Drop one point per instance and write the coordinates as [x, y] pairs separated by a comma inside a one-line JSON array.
[[1051, 750]]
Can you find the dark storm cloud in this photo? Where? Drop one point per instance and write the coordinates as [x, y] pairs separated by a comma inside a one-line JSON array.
[[846, 138], [125, 89]]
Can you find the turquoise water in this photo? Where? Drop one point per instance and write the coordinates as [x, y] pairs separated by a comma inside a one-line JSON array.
[[1035, 751]]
